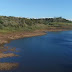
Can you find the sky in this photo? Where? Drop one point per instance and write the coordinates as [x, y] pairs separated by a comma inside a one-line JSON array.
[[36, 8]]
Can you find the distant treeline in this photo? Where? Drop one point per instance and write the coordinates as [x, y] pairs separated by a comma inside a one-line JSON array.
[[16, 23]]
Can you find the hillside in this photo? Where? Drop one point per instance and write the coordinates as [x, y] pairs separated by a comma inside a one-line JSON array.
[[17, 23]]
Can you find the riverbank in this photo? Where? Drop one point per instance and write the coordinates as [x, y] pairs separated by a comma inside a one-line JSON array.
[[7, 37]]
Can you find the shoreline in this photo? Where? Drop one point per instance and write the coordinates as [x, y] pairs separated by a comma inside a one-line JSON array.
[[6, 38]]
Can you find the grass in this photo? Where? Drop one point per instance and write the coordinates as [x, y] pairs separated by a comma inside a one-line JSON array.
[[36, 27]]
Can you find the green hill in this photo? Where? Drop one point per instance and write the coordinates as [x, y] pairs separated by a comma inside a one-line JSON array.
[[17, 23]]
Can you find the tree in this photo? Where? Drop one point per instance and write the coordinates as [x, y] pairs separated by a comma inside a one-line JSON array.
[[1, 26], [1, 22]]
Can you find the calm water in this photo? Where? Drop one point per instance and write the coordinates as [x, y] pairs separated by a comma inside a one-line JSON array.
[[48, 53]]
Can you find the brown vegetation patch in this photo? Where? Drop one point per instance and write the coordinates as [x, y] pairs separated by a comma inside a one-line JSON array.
[[3, 50], [2, 55], [13, 50], [8, 66]]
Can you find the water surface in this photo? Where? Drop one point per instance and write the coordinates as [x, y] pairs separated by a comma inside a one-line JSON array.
[[48, 53]]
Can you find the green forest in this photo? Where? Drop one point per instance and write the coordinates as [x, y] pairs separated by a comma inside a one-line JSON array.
[[10, 23]]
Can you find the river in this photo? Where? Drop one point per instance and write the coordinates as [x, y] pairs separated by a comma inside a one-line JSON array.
[[48, 53]]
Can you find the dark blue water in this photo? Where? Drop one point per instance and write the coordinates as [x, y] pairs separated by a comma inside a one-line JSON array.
[[47, 53]]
